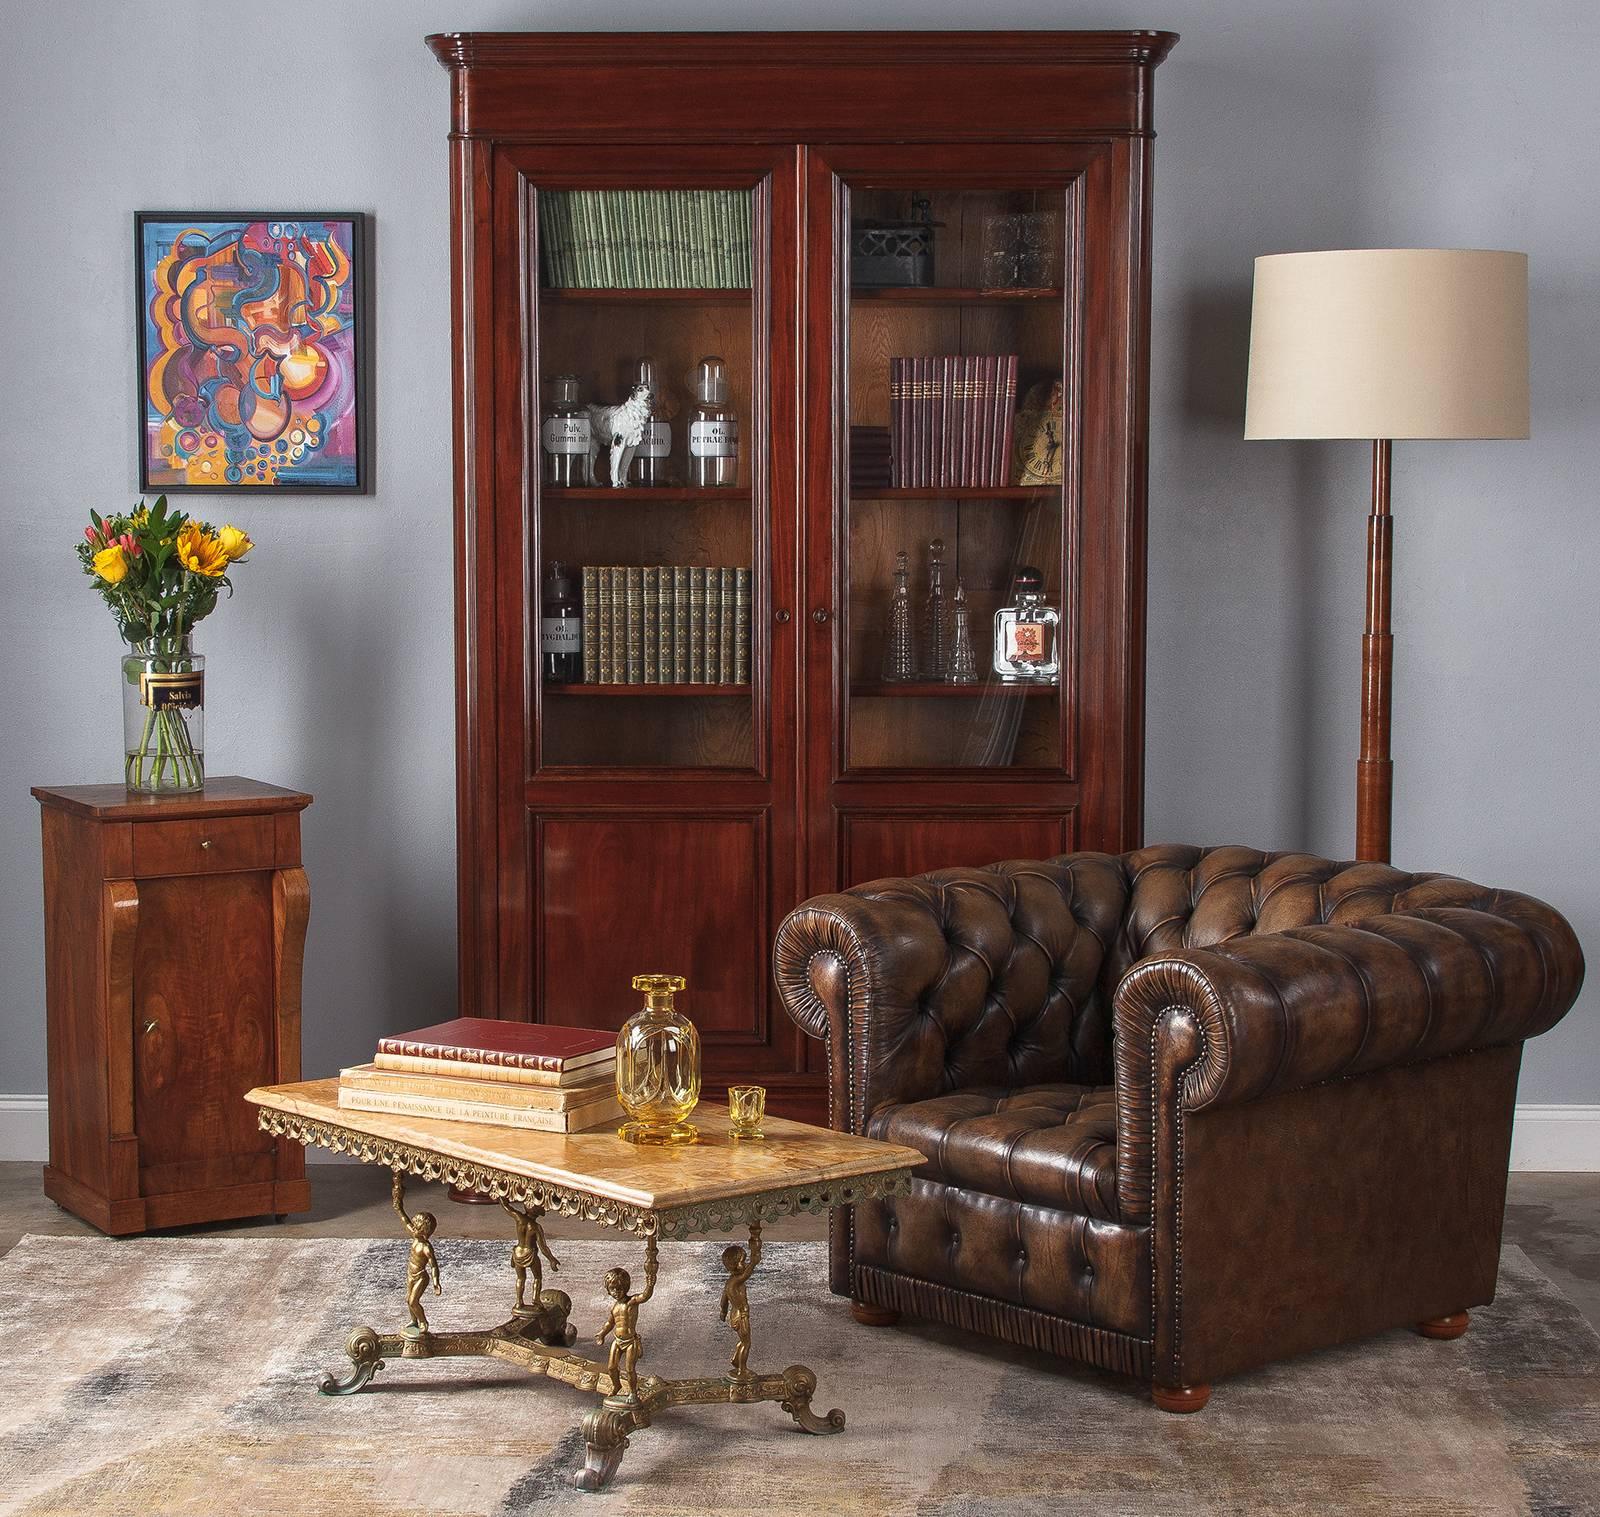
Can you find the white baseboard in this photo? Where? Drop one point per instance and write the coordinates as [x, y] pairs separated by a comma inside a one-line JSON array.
[[1556, 1138], [24, 1128], [1544, 1138]]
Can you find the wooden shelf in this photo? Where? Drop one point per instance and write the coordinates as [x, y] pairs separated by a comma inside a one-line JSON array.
[[925, 689], [717, 296], [934, 295], [646, 690], [961, 492], [629, 494]]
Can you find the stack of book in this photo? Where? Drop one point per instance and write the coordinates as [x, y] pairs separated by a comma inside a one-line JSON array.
[[950, 420], [666, 624], [645, 239], [509, 1074]]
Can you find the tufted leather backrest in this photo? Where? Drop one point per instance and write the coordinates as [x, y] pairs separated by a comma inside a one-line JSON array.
[[1034, 948], [1186, 897], [1015, 998]]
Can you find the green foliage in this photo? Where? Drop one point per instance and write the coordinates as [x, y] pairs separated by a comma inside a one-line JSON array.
[[159, 571]]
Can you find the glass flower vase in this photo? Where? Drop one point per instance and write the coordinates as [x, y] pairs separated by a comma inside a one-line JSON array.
[[163, 716], [658, 1065]]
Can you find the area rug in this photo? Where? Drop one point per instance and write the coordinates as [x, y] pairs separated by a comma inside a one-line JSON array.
[[166, 1375]]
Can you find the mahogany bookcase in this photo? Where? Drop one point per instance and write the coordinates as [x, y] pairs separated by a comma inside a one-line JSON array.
[[610, 828]]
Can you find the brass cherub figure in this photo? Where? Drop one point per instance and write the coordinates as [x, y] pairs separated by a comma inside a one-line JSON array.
[[622, 1363], [525, 1252], [735, 1302], [422, 1263]]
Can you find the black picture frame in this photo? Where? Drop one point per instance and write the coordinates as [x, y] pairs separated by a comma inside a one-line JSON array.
[[360, 356]]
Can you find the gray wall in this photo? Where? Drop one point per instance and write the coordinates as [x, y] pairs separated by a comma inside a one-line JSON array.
[[1347, 123]]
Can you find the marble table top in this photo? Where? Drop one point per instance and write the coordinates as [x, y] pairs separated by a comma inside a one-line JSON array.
[[716, 1183]]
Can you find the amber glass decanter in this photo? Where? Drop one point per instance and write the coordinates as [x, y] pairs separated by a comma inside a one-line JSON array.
[[658, 1065]]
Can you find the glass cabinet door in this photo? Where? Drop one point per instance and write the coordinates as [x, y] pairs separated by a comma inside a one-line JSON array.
[[648, 414], [958, 439]]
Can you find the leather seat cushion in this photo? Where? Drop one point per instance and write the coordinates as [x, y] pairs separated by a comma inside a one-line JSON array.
[[1046, 1145]]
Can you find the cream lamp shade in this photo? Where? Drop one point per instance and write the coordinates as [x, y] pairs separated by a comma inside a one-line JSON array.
[[1389, 343]]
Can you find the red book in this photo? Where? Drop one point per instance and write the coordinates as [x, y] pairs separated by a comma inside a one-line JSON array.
[[1008, 411], [897, 423], [485, 1041], [984, 473]]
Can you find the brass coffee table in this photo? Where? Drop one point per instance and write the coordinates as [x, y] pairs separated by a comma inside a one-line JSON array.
[[716, 1185]]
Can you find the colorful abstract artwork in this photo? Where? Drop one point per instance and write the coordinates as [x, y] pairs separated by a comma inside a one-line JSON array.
[[250, 352]]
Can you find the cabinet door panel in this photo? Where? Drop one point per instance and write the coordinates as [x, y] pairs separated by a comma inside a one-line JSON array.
[[876, 847], [624, 895], [203, 976]]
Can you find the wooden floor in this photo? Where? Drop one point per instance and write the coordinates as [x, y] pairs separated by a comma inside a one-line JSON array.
[[1554, 1218]]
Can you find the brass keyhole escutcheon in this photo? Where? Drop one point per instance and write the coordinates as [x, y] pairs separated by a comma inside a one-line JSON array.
[[780, 617], [150, 1027], [205, 842]]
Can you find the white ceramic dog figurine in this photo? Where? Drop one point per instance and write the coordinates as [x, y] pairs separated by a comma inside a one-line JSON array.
[[622, 429]]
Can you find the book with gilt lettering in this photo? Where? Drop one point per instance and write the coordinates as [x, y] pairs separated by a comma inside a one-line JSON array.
[[484, 1048]]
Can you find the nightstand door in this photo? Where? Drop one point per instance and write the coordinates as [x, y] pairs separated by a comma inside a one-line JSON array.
[[203, 1029]]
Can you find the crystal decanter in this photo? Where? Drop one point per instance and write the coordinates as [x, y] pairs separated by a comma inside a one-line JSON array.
[[658, 1065], [899, 643]]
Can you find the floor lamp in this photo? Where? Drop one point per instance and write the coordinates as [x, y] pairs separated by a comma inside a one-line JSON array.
[[1376, 344]]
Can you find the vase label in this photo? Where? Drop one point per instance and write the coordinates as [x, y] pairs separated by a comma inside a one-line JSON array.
[[714, 439], [172, 692]]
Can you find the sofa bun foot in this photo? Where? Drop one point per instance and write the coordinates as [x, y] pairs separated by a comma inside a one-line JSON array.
[[869, 1315], [1452, 1326], [1180, 1398]]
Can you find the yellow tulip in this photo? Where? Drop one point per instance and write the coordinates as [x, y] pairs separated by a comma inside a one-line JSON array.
[[235, 544], [111, 564], [199, 553]]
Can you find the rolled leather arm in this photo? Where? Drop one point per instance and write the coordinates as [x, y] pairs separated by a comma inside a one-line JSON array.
[[853, 969], [1454, 968]]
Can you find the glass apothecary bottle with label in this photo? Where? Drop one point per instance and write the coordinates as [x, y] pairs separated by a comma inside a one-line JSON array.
[[560, 629], [651, 457], [1027, 634], [713, 429], [564, 435]]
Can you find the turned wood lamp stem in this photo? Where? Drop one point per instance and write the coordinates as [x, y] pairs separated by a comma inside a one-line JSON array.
[[1375, 769]]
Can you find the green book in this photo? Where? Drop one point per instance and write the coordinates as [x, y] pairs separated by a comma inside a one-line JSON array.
[[697, 625], [741, 626], [634, 644], [713, 626], [680, 624], [727, 633], [589, 624], [605, 645], [652, 625]]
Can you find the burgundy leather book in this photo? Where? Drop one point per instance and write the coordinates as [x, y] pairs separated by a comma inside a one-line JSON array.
[[504, 1045]]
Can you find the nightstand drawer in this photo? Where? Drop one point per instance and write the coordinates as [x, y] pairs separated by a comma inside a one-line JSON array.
[[214, 845]]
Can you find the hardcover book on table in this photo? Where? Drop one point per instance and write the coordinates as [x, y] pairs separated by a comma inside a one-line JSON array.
[[485, 1048]]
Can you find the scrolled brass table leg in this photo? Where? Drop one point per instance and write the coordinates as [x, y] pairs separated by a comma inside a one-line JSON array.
[[366, 1359], [605, 1436], [800, 1384]]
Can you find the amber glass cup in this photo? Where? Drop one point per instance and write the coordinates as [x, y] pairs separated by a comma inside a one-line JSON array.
[[747, 1105]]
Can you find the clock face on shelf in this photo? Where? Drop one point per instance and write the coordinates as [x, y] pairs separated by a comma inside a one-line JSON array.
[[1037, 452]]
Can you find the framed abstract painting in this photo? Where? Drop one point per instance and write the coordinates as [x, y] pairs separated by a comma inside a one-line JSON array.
[[253, 331]]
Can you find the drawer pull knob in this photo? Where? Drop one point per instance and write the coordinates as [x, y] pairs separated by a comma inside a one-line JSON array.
[[205, 842], [150, 1027]]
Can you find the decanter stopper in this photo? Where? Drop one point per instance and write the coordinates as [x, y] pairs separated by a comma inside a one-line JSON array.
[[935, 619], [963, 664], [899, 644]]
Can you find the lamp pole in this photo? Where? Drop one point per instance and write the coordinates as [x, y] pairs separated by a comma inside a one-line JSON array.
[[1375, 769]]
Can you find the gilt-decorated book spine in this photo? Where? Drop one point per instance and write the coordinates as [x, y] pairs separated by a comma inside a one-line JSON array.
[[713, 626], [590, 624], [635, 637], [619, 624], [727, 629], [680, 624], [897, 434], [741, 626], [652, 625], [697, 625], [606, 649]]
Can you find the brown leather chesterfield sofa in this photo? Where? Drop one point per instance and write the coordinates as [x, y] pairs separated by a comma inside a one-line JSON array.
[[1186, 1110]]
